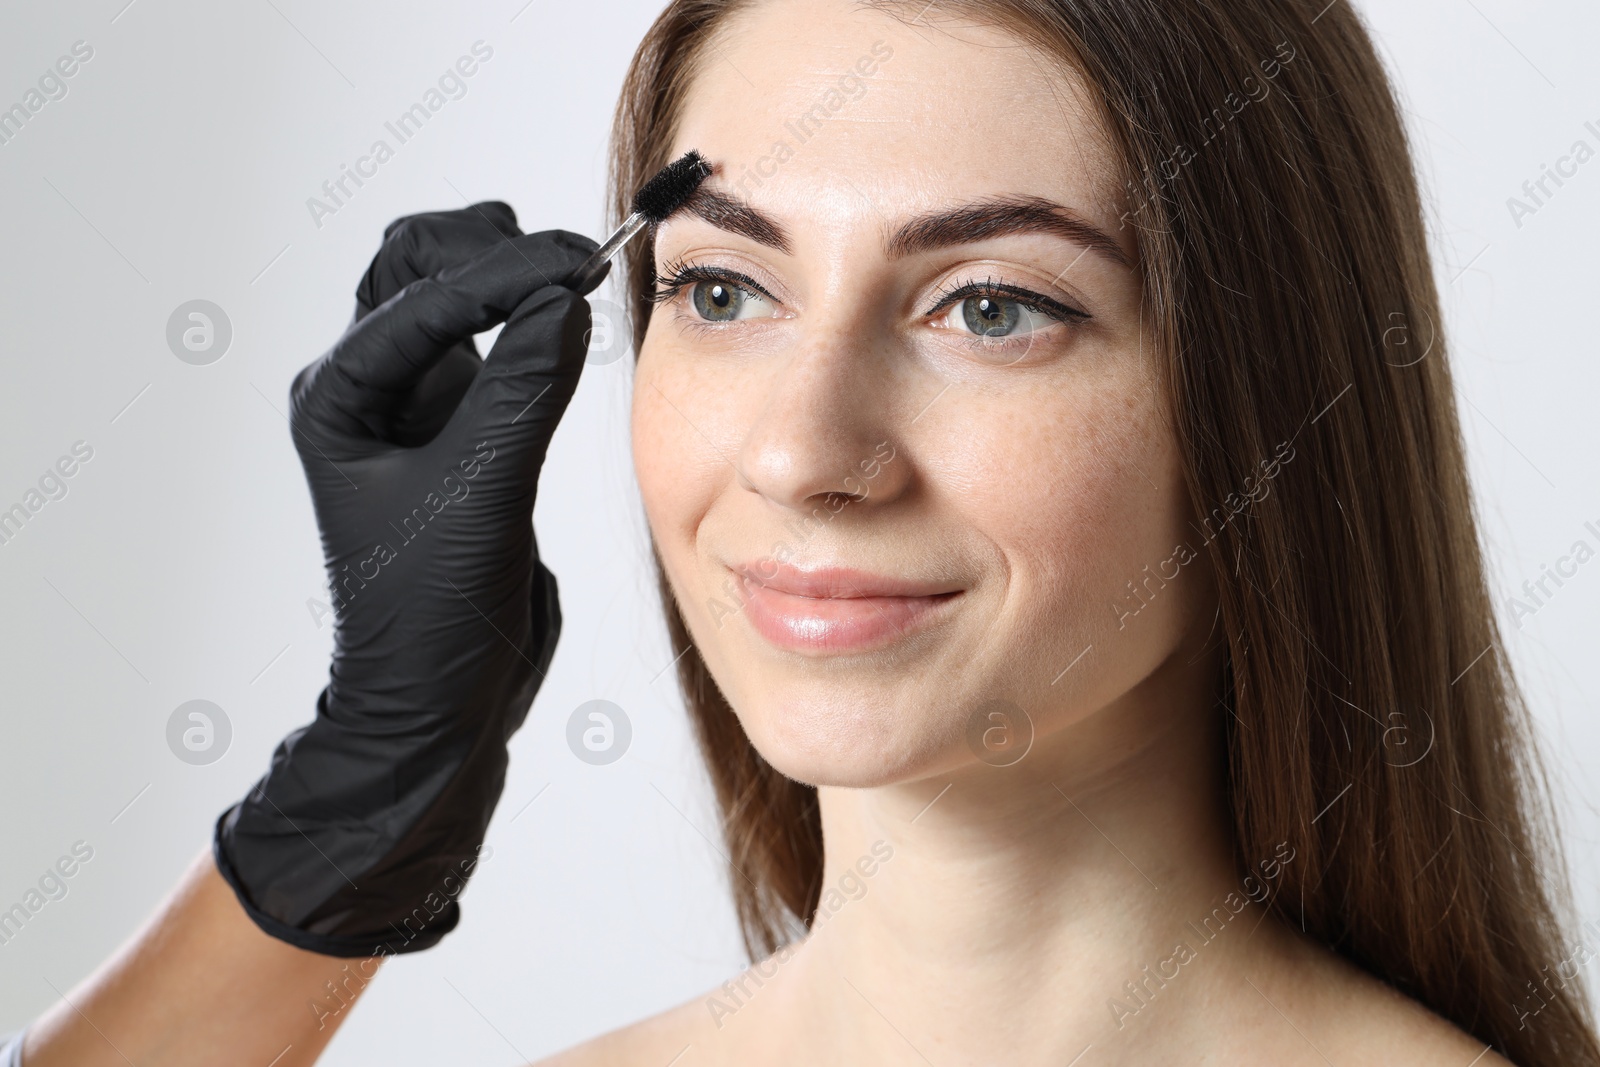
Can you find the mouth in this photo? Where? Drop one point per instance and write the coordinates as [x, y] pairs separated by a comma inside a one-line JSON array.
[[834, 610]]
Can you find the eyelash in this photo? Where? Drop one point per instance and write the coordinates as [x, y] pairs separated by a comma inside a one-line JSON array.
[[678, 275], [1035, 302]]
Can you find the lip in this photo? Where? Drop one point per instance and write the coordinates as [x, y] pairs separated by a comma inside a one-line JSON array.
[[832, 610]]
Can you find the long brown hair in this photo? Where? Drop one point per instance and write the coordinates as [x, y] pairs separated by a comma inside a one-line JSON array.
[[1375, 723]]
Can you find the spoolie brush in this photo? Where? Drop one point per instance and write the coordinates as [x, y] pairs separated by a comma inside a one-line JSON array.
[[652, 204]]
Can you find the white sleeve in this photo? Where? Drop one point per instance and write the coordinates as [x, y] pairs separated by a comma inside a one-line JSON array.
[[11, 1050]]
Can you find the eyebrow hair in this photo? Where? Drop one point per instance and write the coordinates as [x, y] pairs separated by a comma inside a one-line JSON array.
[[996, 217], [728, 212]]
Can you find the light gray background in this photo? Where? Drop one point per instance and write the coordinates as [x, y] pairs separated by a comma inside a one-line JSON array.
[[180, 563]]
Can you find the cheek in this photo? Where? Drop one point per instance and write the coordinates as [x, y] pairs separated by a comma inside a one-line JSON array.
[[680, 471], [1077, 491], [658, 450]]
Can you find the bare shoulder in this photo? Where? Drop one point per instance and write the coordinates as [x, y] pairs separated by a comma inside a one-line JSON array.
[[1306, 1005], [682, 1036], [1354, 1019], [1381, 1025]]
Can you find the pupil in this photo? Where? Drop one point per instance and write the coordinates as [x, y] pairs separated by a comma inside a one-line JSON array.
[[719, 296]]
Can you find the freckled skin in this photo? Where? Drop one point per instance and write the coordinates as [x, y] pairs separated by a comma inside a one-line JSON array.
[[1042, 486]]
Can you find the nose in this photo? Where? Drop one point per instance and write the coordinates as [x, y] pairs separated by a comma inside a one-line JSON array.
[[823, 435]]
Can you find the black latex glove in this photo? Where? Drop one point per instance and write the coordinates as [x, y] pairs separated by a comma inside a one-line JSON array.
[[422, 461]]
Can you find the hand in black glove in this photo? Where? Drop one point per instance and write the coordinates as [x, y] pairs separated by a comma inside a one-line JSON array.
[[422, 462]]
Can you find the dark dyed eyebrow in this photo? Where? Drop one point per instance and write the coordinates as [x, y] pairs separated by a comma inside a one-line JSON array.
[[997, 217], [727, 212], [976, 221]]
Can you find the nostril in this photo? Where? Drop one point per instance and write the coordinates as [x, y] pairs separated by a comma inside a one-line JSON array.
[[836, 501]]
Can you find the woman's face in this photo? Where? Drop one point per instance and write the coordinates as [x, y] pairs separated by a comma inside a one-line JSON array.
[[898, 429]]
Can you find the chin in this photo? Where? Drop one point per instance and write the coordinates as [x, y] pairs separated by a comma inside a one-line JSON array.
[[838, 742]]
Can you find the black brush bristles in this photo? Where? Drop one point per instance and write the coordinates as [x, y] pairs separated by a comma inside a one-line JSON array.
[[663, 194], [671, 186]]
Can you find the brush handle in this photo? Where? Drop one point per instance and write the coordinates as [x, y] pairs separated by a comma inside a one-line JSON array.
[[583, 280]]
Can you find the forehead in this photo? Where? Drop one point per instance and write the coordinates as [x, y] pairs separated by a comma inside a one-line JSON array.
[[845, 106]]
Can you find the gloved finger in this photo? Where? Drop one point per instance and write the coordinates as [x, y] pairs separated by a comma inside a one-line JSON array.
[[497, 211], [354, 388], [527, 381], [415, 246]]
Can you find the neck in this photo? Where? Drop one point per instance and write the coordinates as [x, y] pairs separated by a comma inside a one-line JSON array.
[[1020, 914]]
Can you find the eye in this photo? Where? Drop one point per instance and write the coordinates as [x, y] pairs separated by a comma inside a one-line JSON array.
[[717, 295], [990, 316], [720, 301], [993, 311]]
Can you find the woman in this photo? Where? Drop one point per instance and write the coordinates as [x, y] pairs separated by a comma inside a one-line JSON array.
[[1053, 468]]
